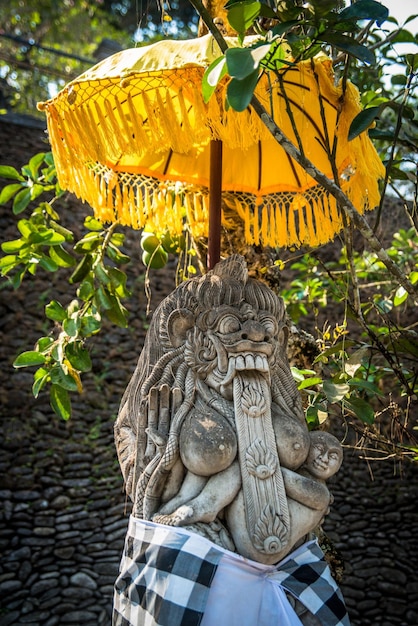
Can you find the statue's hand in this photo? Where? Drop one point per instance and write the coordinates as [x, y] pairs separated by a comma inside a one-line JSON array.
[[161, 406]]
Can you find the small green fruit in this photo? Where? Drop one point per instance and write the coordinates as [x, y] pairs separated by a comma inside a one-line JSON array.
[[155, 260], [149, 242]]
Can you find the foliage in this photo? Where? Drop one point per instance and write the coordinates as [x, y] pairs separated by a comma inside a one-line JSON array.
[[363, 52], [44, 44], [96, 261], [372, 353], [365, 369]]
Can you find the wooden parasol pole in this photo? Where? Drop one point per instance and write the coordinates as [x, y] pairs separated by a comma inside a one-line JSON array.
[[215, 203]]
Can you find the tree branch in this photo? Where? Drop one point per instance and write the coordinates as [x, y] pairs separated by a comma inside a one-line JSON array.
[[344, 203]]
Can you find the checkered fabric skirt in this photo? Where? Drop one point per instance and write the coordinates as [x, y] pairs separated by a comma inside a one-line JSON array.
[[170, 576]]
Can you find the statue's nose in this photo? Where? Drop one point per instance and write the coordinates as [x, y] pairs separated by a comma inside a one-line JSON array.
[[254, 331]]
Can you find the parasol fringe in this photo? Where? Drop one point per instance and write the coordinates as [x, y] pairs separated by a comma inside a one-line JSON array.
[[169, 124], [282, 220], [118, 130], [140, 137], [151, 118], [265, 225], [281, 225], [123, 122]]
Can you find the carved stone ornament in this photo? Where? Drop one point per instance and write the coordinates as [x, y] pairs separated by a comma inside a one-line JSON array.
[[211, 433]]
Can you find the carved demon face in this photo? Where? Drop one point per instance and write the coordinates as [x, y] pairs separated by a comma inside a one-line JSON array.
[[230, 339]]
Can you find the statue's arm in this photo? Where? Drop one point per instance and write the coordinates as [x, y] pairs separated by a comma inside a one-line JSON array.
[[305, 490], [126, 447]]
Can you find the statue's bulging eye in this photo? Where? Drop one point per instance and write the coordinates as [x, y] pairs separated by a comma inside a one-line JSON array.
[[229, 324], [270, 324]]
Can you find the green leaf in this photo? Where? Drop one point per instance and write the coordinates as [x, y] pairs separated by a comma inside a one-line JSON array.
[[72, 326], [365, 10], [49, 159], [283, 27], [13, 246], [355, 361], [310, 382], [25, 227], [29, 358], [59, 377], [90, 325], [398, 79], [116, 256], [361, 408], [299, 374], [41, 377], [400, 296], [8, 192], [8, 262], [102, 274], [44, 343], [118, 239], [53, 238], [21, 201], [316, 414], [60, 401], [335, 392], [362, 121], [240, 92], [397, 174], [365, 385], [6, 171], [55, 311], [405, 111], [65, 232], [86, 290], [78, 357], [35, 163], [81, 270], [403, 36], [117, 313], [412, 61], [212, 77], [61, 256], [36, 190], [118, 280], [242, 15], [48, 264], [349, 46], [242, 62], [89, 242], [16, 280], [103, 298], [93, 224]]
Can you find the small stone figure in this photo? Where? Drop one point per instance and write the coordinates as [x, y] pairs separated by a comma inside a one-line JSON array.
[[212, 440]]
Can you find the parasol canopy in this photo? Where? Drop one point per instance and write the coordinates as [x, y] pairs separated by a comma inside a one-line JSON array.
[[132, 137]]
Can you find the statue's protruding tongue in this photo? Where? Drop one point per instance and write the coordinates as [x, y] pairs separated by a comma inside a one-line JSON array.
[[267, 514]]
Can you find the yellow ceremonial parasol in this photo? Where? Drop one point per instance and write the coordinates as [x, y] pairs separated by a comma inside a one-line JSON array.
[[133, 137]]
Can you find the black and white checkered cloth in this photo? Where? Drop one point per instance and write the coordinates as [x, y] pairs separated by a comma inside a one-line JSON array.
[[307, 576], [165, 577], [166, 574]]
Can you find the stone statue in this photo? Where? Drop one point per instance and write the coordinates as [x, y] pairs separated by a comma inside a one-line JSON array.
[[211, 435]]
